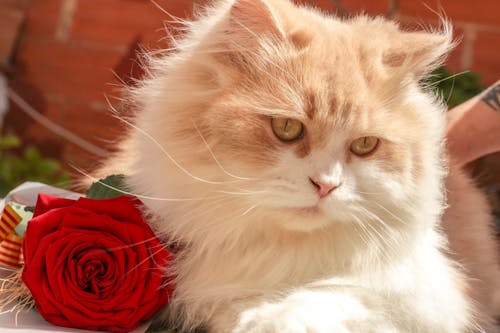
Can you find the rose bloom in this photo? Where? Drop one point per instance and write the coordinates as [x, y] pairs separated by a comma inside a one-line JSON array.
[[94, 264]]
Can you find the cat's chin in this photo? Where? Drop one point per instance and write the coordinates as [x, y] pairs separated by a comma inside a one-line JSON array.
[[304, 219]]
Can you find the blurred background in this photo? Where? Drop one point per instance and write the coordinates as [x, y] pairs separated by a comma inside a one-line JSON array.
[[59, 59]]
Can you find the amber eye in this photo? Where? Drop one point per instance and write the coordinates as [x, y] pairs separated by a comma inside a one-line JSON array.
[[365, 145], [287, 129]]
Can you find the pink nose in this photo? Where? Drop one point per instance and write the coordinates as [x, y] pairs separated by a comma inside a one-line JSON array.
[[323, 187]]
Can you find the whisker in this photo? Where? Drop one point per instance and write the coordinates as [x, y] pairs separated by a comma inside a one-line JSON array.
[[95, 180], [360, 224], [213, 225], [375, 193], [204, 207], [213, 204], [213, 155], [380, 237], [451, 91], [448, 77], [150, 257], [249, 210], [163, 150], [382, 223], [377, 237], [243, 193], [392, 214], [132, 244]]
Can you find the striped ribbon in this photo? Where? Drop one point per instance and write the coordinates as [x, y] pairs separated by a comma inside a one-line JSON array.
[[11, 244]]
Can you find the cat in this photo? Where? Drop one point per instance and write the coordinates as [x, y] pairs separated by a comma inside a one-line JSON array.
[[296, 161]]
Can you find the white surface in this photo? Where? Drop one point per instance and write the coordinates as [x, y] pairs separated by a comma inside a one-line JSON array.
[[31, 321], [27, 193]]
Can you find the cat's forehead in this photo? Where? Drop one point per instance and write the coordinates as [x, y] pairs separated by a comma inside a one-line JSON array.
[[330, 89], [326, 96]]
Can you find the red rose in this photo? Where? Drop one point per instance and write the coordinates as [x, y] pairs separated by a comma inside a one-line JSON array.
[[94, 264]]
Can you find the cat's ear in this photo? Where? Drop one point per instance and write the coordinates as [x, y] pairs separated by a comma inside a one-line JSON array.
[[255, 18], [418, 53]]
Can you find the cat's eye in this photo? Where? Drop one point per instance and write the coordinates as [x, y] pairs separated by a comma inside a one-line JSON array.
[[287, 129], [365, 145]]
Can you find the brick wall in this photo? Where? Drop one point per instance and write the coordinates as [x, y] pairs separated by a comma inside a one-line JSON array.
[[68, 50]]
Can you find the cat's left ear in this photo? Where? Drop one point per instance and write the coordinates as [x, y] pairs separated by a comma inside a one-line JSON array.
[[419, 53]]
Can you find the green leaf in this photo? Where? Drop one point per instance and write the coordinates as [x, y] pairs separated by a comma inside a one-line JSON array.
[[107, 188], [32, 155], [48, 166], [9, 169], [9, 141], [17, 166], [455, 88]]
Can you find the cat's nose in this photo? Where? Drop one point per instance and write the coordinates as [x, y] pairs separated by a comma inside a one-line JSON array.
[[323, 187]]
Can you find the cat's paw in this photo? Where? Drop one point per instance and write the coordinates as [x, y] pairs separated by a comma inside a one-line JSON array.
[[283, 318]]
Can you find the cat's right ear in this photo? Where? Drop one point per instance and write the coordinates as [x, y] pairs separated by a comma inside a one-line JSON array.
[[251, 20], [248, 26]]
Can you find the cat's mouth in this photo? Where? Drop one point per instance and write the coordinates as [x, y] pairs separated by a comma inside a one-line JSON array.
[[312, 210], [305, 218]]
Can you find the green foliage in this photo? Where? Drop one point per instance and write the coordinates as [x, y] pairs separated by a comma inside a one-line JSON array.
[[455, 89], [107, 188], [28, 165]]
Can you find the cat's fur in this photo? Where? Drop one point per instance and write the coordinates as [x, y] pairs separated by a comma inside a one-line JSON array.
[[255, 254]]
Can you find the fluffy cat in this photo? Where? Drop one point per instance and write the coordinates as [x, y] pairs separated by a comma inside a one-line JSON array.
[[298, 162]]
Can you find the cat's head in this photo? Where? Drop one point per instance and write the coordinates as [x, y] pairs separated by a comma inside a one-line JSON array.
[[277, 114]]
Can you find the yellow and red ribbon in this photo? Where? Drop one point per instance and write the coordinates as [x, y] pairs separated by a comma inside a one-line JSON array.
[[11, 243]]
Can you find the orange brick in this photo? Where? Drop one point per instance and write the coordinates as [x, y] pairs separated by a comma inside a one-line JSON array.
[[19, 4], [32, 132], [372, 7], [483, 11], [117, 22], [155, 39], [96, 126], [67, 55], [72, 156], [454, 60], [10, 21], [486, 60], [67, 70], [42, 17], [52, 110], [64, 85]]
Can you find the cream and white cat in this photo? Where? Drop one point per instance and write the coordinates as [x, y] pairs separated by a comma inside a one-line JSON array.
[[298, 161]]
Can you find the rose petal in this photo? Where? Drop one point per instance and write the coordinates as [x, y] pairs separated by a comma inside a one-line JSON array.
[[38, 228], [46, 202], [78, 240], [122, 208]]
